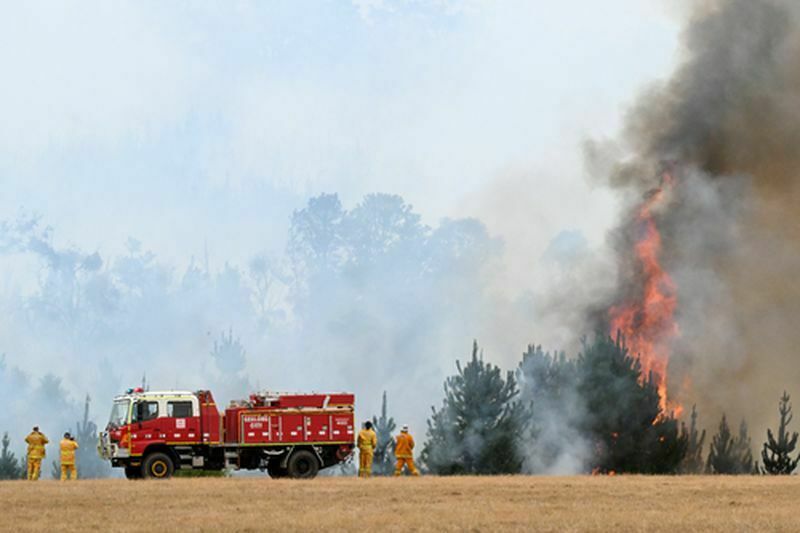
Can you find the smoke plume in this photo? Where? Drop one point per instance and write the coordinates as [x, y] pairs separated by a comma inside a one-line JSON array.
[[724, 129]]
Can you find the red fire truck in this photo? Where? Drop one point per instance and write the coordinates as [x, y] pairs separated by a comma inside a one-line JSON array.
[[151, 434]]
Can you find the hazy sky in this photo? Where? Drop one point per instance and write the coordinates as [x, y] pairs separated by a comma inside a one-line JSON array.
[[185, 123]]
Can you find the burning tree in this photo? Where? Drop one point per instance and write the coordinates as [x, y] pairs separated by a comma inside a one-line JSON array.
[[728, 454], [777, 453], [645, 310], [383, 464], [478, 427], [693, 461], [10, 467], [625, 423]]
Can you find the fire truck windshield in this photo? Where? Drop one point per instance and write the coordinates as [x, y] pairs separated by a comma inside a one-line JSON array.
[[119, 413]]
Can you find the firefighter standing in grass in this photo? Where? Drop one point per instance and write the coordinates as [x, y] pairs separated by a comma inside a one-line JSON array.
[[68, 468], [36, 442], [404, 451], [367, 442]]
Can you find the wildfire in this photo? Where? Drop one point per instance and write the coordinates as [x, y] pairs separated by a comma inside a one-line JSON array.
[[596, 471], [648, 320]]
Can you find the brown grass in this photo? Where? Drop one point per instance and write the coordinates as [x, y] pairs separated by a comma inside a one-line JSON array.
[[620, 503]]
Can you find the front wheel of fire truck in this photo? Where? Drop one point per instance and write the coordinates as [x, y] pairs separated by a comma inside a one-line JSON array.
[[302, 465], [158, 466]]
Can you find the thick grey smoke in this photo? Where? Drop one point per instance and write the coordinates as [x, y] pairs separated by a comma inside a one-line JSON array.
[[727, 125], [557, 444]]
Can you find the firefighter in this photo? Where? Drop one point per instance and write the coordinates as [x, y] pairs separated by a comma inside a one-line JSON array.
[[68, 468], [404, 451], [36, 442], [367, 442]]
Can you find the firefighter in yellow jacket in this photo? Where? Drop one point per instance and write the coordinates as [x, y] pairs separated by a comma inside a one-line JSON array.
[[68, 468], [36, 442], [367, 442], [404, 451]]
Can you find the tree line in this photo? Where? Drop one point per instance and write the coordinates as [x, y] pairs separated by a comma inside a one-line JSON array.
[[597, 413]]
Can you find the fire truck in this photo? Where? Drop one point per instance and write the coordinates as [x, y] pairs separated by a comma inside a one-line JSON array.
[[152, 434]]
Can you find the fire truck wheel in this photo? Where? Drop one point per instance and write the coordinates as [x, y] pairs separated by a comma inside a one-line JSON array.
[[158, 466], [276, 472], [133, 472], [302, 465]]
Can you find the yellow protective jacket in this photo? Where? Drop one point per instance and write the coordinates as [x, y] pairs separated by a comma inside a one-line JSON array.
[[68, 448], [404, 446], [36, 442], [367, 440]]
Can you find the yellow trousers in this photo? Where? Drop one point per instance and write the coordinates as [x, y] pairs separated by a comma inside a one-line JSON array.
[[405, 461], [69, 472], [34, 468], [364, 463]]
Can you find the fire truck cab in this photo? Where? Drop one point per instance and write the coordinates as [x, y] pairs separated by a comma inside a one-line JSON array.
[[151, 434]]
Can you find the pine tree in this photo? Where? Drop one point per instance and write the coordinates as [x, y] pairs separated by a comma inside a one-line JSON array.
[[776, 454], [720, 452], [544, 377], [384, 461], [229, 353], [230, 357], [90, 465], [625, 423], [744, 450], [693, 461], [728, 454], [10, 467], [478, 428]]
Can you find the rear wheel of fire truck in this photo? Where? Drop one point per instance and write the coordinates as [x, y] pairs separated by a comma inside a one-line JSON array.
[[158, 466], [275, 471], [133, 472], [302, 465]]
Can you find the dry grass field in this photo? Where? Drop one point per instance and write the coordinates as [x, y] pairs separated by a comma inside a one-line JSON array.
[[619, 503]]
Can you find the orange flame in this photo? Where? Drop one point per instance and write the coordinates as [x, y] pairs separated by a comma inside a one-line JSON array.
[[648, 321]]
